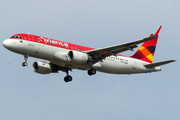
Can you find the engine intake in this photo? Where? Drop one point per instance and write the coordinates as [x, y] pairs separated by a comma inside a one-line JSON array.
[[42, 67], [71, 56], [77, 57]]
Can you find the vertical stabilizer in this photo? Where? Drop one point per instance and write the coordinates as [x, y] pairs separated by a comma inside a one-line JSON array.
[[147, 50]]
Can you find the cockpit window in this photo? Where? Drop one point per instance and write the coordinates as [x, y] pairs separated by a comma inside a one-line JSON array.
[[18, 37], [12, 36]]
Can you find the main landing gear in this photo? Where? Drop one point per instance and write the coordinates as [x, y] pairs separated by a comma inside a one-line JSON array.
[[68, 78], [91, 72], [25, 63]]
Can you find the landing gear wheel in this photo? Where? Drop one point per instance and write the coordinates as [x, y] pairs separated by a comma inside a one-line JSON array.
[[24, 64], [91, 72], [68, 78]]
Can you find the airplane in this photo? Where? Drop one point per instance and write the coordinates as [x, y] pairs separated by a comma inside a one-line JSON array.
[[64, 56]]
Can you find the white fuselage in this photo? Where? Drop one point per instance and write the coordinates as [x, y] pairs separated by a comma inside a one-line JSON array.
[[112, 64]]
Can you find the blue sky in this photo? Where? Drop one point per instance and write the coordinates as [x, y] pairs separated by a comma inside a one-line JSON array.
[[25, 95]]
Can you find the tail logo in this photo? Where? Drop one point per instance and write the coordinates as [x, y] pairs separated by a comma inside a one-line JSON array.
[[146, 52]]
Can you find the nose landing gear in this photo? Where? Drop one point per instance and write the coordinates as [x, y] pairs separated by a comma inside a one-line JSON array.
[[25, 63]]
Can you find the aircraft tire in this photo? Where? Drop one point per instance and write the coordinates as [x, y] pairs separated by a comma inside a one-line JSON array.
[[24, 64], [91, 72], [68, 78]]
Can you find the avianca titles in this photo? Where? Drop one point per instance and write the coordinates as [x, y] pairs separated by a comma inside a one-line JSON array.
[[64, 56]]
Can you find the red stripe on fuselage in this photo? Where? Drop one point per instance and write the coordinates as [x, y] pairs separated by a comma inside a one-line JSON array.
[[54, 43]]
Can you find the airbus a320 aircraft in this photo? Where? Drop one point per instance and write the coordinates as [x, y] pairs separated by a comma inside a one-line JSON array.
[[63, 56]]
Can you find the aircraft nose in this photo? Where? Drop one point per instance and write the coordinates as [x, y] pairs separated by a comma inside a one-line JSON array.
[[6, 43]]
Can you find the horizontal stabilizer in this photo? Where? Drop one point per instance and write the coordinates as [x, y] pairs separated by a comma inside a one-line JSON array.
[[159, 63]]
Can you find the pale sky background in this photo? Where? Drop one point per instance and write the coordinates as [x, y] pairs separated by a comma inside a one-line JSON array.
[[26, 95]]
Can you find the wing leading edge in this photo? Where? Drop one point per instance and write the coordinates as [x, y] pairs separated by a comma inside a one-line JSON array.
[[101, 53]]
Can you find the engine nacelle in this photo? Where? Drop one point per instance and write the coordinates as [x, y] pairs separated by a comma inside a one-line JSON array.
[[77, 57], [72, 56], [42, 67]]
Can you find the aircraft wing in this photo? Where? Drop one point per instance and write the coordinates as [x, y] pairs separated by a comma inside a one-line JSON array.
[[101, 53]]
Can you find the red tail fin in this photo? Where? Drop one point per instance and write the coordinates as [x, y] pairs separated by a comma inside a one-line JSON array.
[[147, 50]]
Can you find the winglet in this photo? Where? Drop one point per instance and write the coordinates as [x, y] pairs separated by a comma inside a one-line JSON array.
[[157, 33]]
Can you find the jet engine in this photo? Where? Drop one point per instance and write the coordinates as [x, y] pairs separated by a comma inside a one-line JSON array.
[[42, 67], [72, 56], [77, 57]]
